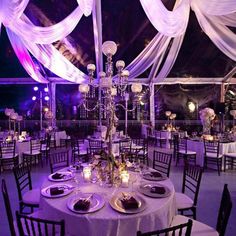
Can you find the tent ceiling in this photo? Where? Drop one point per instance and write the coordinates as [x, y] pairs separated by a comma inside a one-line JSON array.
[[126, 24]]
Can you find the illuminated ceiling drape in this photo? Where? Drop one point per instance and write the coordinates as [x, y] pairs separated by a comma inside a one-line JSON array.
[[160, 54]]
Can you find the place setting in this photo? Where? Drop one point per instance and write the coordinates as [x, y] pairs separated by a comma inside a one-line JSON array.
[[57, 190], [61, 176], [153, 176], [83, 203], [128, 202], [154, 190]]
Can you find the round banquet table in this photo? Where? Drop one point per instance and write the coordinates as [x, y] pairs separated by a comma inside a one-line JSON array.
[[107, 221]]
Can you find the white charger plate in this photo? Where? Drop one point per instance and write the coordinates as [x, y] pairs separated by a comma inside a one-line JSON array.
[[145, 189], [66, 187], [67, 176], [96, 202], [148, 176], [116, 203]]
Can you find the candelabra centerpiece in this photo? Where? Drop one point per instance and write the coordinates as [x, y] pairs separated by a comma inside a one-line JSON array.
[[109, 87]]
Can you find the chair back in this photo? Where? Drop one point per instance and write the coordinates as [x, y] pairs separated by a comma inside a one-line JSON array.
[[23, 179], [28, 225], [183, 144], [191, 181], [8, 149], [35, 145], [95, 146], [125, 146], [224, 211], [58, 159], [212, 147], [8, 207], [175, 138], [162, 162], [178, 230]]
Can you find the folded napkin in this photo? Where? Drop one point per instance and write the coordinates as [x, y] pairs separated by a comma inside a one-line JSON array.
[[82, 205], [56, 191], [129, 203], [57, 176], [157, 189], [155, 174]]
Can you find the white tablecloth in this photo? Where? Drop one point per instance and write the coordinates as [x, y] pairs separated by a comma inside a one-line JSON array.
[[198, 147], [106, 222]]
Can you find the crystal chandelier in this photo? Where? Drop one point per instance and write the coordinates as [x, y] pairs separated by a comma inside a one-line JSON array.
[[110, 87]]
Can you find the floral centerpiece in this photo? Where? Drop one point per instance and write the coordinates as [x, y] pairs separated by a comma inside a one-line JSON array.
[[207, 115]]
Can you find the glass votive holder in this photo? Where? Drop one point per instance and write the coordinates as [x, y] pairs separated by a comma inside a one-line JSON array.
[[87, 173], [124, 175]]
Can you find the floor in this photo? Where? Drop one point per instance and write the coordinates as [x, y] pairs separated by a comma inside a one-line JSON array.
[[208, 202]]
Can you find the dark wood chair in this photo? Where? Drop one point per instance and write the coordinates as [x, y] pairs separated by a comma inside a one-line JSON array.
[[191, 184], [45, 148], [181, 229], [95, 146], [212, 154], [8, 156], [58, 159], [125, 146], [28, 197], [29, 225], [79, 150], [33, 156], [229, 160], [65, 142], [199, 228], [142, 151], [162, 162], [8, 208], [183, 152], [160, 139]]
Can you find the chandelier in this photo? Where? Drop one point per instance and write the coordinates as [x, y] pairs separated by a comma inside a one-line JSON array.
[[110, 87]]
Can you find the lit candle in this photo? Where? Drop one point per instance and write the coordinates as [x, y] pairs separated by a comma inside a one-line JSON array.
[[124, 179], [87, 173]]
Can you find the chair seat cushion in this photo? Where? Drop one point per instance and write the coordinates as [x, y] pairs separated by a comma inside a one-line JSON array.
[[183, 201], [232, 154], [35, 152], [187, 152], [32, 196], [8, 156], [213, 155], [198, 228]]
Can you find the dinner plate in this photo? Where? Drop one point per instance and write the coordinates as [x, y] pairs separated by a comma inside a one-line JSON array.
[[96, 202], [67, 175], [66, 187], [145, 189], [116, 203], [148, 176]]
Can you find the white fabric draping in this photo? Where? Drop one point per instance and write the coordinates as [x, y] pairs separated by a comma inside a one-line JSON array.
[[46, 35], [215, 7], [220, 34], [25, 58], [170, 23], [229, 20], [147, 57], [10, 11], [86, 6], [52, 59], [170, 60]]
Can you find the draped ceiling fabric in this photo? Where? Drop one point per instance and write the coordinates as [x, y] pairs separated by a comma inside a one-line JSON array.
[[160, 54]]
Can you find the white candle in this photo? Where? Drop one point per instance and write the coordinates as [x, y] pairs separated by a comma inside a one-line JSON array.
[[87, 173], [124, 179]]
